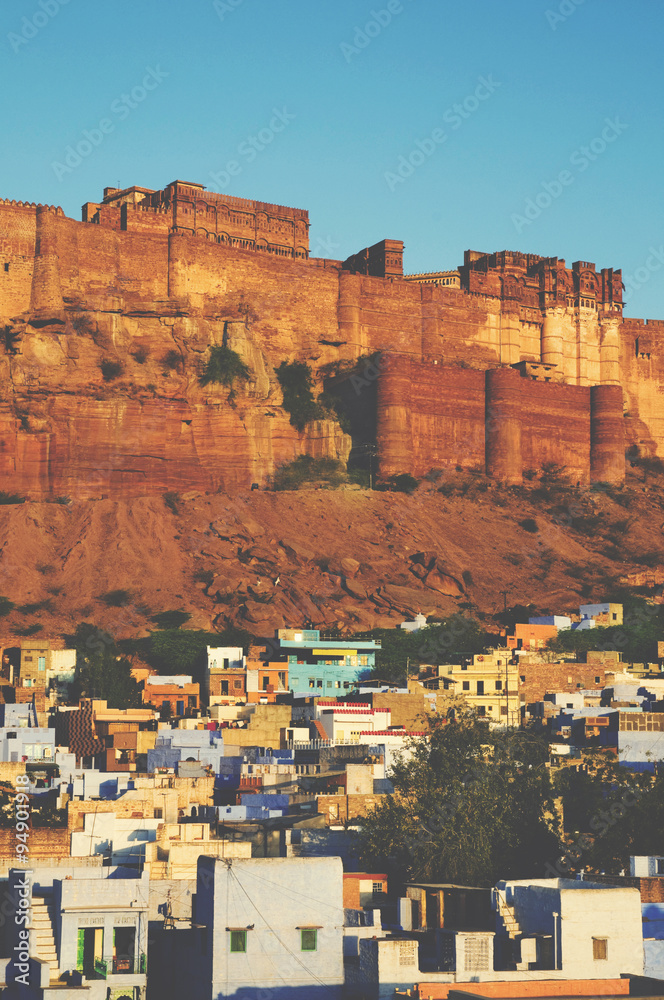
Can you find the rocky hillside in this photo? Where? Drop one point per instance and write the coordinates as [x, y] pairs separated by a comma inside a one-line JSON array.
[[348, 557]]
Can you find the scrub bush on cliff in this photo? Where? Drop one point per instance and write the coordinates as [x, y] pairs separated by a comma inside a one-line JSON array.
[[296, 384], [225, 367]]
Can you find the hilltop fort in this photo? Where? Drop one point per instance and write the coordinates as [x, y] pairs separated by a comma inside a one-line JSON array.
[[508, 362]]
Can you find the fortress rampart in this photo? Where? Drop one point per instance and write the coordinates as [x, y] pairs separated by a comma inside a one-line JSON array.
[[509, 361]]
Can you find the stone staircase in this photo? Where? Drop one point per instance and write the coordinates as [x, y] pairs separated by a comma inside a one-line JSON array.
[[42, 939], [507, 915]]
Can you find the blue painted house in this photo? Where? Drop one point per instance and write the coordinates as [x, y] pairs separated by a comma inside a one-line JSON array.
[[325, 667]]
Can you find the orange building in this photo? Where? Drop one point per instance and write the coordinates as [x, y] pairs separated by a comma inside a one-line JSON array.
[[266, 682], [177, 692], [528, 636]]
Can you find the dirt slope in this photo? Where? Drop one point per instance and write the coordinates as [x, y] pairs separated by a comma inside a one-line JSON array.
[[350, 558]]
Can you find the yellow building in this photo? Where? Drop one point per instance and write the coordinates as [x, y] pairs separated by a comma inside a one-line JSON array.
[[489, 682]]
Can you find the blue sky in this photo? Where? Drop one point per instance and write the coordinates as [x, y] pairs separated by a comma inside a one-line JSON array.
[[344, 93]]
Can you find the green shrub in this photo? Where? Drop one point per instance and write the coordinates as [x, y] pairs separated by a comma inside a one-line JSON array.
[[29, 630], [6, 606], [296, 384], [141, 354], [170, 619], [6, 498], [333, 407], [225, 367], [205, 576], [172, 501], [110, 370], [172, 360], [9, 337], [116, 598], [306, 469], [529, 524], [402, 483], [31, 609]]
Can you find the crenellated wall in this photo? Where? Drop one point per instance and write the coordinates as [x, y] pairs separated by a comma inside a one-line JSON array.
[[129, 279]]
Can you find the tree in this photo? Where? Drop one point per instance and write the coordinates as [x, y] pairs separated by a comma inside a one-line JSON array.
[[101, 671], [224, 366], [443, 642], [467, 808], [296, 383]]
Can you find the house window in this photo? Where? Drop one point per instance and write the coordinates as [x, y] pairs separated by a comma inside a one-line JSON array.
[[499, 685], [376, 888], [480, 687], [466, 685], [598, 680], [238, 941], [159, 814], [124, 944], [6, 267], [319, 684], [312, 682], [660, 866], [329, 684], [600, 949], [309, 939], [523, 678]]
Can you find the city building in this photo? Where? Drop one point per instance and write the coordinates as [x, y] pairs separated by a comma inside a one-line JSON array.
[[225, 680], [326, 667], [175, 695], [261, 925]]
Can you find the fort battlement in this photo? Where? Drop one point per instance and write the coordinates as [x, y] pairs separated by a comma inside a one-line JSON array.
[[511, 359]]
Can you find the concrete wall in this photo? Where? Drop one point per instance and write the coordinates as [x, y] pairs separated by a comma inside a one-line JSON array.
[[274, 898]]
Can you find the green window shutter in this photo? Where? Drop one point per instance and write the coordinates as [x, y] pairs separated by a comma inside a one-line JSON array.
[[238, 941], [80, 950], [309, 940]]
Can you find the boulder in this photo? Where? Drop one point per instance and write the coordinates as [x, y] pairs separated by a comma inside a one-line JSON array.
[[350, 566], [356, 589], [443, 583]]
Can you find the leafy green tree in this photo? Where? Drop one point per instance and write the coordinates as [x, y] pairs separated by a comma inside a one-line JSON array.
[[170, 619], [610, 813], [101, 671], [224, 366], [183, 651], [443, 642], [467, 808], [296, 384]]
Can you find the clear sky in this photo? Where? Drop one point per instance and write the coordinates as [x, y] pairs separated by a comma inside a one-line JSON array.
[[554, 147]]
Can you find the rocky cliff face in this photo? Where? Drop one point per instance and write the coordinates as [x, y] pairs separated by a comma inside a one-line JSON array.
[[109, 403]]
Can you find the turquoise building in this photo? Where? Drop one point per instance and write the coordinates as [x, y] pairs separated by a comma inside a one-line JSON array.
[[325, 667]]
